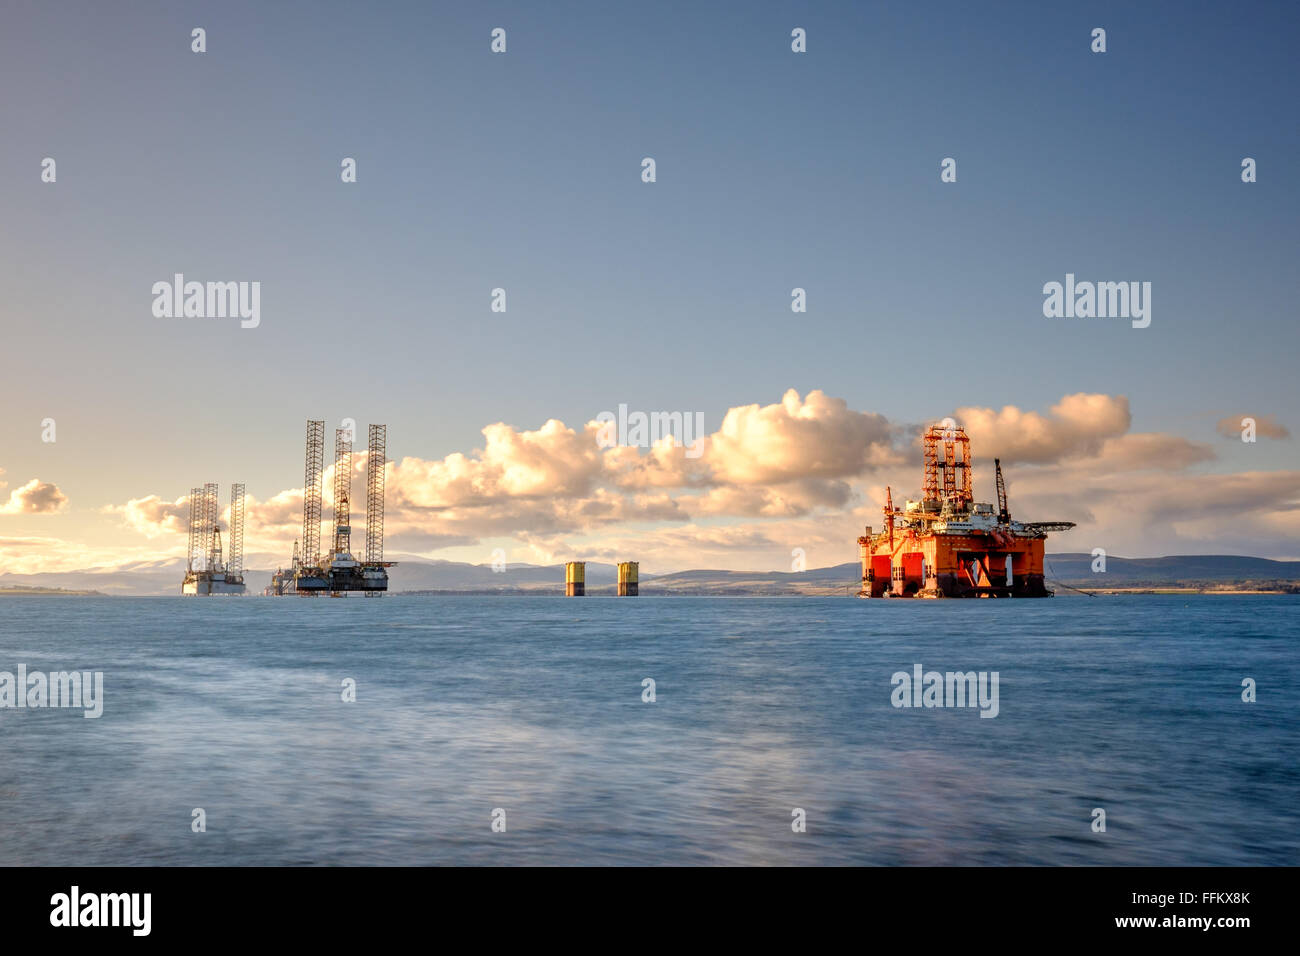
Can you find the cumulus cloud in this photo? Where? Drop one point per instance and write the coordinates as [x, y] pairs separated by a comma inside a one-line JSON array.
[[785, 459], [1266, 426], [1141, 451], [1145, 512], [817, 437], [794, 441], [805, 472], [152, 516], [35, 498], [554, 460], [1077, 425], [788, 499]]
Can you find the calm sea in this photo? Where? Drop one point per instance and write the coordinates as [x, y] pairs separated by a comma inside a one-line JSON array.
[[533, 706]]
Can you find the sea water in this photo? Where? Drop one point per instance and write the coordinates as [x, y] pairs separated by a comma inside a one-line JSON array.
[[534, 713]]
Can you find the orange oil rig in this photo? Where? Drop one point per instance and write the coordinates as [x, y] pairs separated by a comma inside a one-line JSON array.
[[947, 544]]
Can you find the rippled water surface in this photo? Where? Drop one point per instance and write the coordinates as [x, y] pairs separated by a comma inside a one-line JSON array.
[[534, 705]]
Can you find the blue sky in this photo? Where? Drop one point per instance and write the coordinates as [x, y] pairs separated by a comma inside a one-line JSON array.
[[522, 171]]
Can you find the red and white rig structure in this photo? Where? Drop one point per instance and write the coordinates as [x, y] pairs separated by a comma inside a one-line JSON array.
[[949, 545]]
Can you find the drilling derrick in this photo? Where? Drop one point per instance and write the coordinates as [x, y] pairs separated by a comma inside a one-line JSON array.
[[342, 490], [235, 564], [311, 494], [953, 472], [947, 544], [375, 493], [193, 554], [211, 530], [375, 572], [930, 473], [343, 570]]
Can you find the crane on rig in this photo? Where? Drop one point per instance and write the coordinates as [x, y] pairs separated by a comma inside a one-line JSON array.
[[1004, 513]]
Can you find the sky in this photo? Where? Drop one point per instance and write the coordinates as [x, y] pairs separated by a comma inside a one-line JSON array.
[[522, 170]]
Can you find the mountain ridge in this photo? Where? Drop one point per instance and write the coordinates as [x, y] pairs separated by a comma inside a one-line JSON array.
[[422, 575]]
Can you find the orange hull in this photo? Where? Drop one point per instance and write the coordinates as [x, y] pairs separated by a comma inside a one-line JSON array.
[[943, 565]]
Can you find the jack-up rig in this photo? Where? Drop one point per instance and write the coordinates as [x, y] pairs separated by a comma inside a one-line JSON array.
[[205, 571], [339, 572], [947, 544]]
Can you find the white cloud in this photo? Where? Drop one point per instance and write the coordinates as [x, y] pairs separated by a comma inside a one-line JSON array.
[[804, 472], [35, 498]]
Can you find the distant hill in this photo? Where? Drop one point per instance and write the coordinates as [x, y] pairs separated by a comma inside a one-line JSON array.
[[1207, 570], [163, 577], [24, 591], [149, 578], [1185, 570], [840, 579], [419, 574], [136, 579]]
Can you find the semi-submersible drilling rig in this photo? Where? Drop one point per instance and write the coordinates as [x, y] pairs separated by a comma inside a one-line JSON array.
[[339, 571], [947, 544]]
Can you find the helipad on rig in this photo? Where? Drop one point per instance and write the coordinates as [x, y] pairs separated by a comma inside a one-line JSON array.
[[949, 545]]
